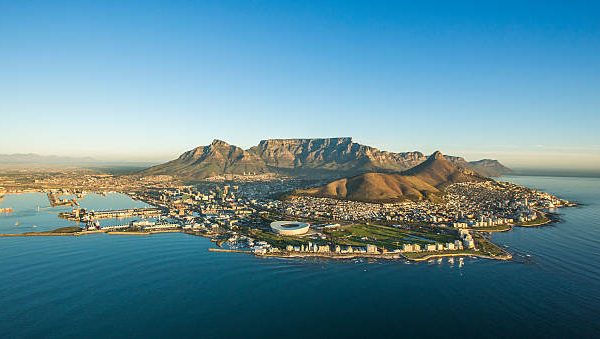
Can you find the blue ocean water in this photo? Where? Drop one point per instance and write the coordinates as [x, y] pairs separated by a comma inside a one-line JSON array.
[[170, 285], [32, 211]]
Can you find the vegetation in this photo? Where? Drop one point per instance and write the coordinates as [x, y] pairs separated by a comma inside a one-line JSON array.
[[486, 247], [280, 241], [425, 181], [69, 229], [540, 220], [58, 231], [384, 236], [495, 228], [355, 235]]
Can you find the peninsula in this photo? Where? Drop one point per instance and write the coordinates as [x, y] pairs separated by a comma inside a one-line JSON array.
[[329, 198]]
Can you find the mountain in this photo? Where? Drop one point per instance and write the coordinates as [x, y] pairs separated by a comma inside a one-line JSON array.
[[300, 156], [32, 158], [320, 157], [424, 181], [489, 167], [374, 187], [440, 172], [205, 161]]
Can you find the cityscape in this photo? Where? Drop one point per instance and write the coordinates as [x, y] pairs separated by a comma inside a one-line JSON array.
[[238, 213], [299, 169]]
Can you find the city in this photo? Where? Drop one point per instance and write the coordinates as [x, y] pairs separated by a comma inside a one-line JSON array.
[[237, 215], [299, 169]]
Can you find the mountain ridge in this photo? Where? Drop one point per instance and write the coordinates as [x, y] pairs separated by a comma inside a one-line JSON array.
[[425, 181], [322, 157]]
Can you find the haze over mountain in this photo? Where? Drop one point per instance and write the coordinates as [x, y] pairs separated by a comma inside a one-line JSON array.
[[32, 158], [325, 157], [489, 167], [424, 181]]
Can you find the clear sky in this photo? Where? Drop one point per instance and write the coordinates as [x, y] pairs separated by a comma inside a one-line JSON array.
[[143, 80]]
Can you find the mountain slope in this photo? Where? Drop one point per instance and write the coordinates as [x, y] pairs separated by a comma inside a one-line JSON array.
[[322, 157], [425, 181], [489, 167], [374, 187], [439, 172], [333, 154], [217, 158]]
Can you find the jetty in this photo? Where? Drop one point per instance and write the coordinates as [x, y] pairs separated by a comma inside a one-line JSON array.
[[83, 214]]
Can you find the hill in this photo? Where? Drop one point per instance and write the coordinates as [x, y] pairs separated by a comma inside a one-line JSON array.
[[215, 159], [439, 172], [375, 187], [489, 167], [425, 181]]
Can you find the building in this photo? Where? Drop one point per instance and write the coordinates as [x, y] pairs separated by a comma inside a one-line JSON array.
[[290, 227], [372, 249]]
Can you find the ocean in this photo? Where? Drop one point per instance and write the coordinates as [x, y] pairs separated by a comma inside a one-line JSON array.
[[169, 285]]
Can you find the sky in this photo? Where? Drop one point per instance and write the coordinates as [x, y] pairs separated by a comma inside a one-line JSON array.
[[517, 81]]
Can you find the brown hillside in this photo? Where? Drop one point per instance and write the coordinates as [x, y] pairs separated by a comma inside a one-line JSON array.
[[437, 171], [375, 187], [425, 181]]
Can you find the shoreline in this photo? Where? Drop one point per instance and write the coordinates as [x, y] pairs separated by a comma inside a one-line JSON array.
[[475, 255], [493, 230], [547, 218], [386, 256], [76, 234], [333, 256]]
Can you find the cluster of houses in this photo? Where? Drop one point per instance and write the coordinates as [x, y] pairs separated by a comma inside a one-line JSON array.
[[465, 242], [137, 225], [483, 222], [466, 205], [316, 248]]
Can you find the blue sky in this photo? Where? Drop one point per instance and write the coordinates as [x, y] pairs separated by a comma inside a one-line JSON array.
[[145, 80]]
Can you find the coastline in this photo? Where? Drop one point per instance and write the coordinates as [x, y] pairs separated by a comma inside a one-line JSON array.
[[387, 256], [494, 230], [476, 255], [334, 256], [75, 234], [547, 218]]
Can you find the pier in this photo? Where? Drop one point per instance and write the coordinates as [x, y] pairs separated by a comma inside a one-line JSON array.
[[55, 200], [83, 214], [126, 213]]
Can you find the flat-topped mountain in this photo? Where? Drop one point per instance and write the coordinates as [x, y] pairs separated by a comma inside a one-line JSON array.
[[424, 181], [299, 156], [322, 157]]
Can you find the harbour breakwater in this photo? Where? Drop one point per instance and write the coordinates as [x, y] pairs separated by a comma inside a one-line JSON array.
[[80, 233]]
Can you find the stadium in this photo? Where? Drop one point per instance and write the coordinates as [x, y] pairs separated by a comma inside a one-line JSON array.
[[290, 227]]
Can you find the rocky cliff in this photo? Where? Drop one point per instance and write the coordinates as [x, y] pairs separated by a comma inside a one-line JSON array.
[[323, 157]]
